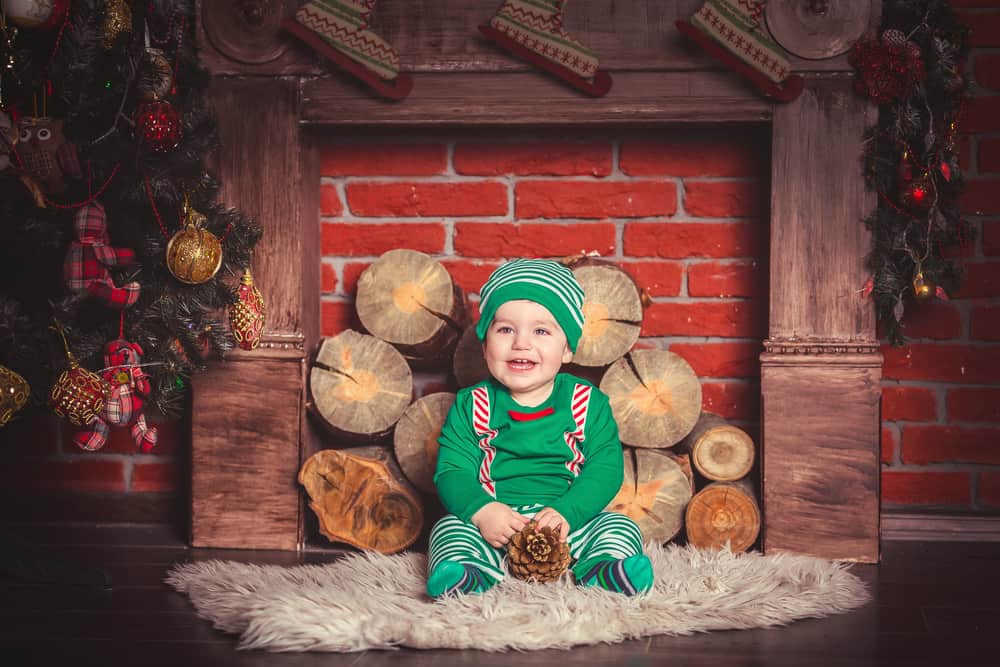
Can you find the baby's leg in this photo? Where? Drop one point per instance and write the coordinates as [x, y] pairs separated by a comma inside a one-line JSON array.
[[460, 560], [608, 553]]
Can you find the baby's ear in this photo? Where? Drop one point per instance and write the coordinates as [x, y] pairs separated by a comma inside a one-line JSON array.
[[567, 354]]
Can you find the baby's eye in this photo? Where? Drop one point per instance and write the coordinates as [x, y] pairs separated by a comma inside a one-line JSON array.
[[541, 332], [504, 329]]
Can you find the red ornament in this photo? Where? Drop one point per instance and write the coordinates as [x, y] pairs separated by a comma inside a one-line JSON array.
[[888, 68], [945, 170], [868, 287], [246, 316], [159, 125], [919, 194]]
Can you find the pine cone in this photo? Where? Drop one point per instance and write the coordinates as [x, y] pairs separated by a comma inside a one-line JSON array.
[[537, 555]]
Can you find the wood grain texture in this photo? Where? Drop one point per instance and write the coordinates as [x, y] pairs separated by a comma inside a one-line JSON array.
[[245, 454], [258, 165], [820, 459], [818, 200], [533, 99], [434, 36], [923, 595]]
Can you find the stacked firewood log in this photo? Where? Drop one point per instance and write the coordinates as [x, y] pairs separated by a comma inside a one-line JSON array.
[[687, 472]]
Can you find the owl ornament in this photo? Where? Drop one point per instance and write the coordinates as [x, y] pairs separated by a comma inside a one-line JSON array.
[[128, 386], [45, 154], [89, 256]]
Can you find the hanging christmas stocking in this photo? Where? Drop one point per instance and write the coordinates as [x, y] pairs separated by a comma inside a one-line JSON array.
[[732, 31], [338, 30], [532, 30]]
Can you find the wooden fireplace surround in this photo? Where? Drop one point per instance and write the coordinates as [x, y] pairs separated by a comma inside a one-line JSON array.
[[820, 365]]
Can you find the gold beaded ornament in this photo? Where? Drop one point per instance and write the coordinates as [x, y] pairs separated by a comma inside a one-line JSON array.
[[247, 315], [14, 391], [79, 394], [194, 254]]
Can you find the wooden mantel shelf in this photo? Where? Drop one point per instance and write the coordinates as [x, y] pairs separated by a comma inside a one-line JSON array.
[[820, 365], [477, 98]]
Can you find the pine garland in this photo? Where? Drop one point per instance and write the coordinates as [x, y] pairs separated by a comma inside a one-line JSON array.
[[915, 72], [95, 90]]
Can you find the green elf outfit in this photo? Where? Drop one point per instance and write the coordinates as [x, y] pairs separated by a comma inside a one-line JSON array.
[[564, 454]]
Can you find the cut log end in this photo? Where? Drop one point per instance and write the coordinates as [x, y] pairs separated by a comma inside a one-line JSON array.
[[361, 501], [408, 299], [719, 450], [655, 397], [415, 439], [654, 493], [468, 363], [360, 385], [612, 310], [723, 512]]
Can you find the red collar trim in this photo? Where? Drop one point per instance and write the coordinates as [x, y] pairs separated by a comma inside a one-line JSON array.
[[529, 416]]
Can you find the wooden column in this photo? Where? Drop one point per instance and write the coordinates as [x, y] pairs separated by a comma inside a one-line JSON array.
[[247, 411], [821, 367]]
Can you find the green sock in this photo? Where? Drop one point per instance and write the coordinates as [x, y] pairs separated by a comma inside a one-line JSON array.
[[451, 577], [630, 575]]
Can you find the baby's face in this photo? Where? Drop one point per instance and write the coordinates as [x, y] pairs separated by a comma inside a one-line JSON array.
[[524, 350]]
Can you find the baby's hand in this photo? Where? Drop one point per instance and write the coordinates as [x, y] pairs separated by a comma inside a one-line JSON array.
[[498, 523], [549, 517]]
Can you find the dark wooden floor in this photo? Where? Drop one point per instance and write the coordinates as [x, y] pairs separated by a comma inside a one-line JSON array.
[[934, 604]]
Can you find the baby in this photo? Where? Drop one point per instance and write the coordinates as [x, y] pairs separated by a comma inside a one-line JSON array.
[[531, 443]]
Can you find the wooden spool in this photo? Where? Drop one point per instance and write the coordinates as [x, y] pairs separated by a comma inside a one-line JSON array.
[[721, 512], [360, 385], [408, 299], [657, 488], [415, 439], [655, 397], [817, 29], [719, 451], [361, 499], [468, 362], [612, 310]]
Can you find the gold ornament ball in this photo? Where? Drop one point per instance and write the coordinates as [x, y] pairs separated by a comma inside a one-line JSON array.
[[923, 289], [78, 395], [194, 255], [117, 20], [14, 391]]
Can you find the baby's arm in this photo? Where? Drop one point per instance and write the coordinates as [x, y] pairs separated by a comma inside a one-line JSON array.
[[603, 469], [459, 456], [498, 523]]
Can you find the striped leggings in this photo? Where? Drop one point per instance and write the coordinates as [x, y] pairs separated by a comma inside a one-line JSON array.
[[608, 536]]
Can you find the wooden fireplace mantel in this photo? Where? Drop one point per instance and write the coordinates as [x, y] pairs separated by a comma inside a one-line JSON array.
[[820, 365]]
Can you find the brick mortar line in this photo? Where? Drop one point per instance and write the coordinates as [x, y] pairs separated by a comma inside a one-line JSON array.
[[945, 467], [966, 425], [492, 219]]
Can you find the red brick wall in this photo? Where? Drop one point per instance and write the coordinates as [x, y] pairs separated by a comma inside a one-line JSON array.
[[941, 393], [45, 476], [685, 212]]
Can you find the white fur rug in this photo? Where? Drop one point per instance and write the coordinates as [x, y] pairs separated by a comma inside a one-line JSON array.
[[367, 601]]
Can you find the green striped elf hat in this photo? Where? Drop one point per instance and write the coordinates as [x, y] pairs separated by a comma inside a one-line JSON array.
[[544, 281]]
